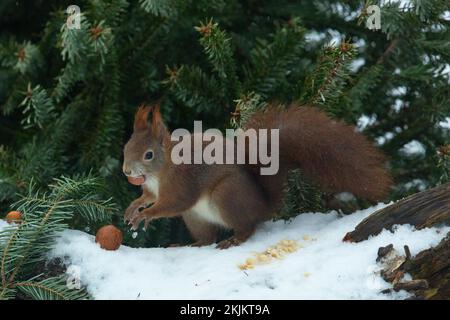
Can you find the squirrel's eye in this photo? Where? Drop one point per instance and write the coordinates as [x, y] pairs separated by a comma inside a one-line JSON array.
[[148, 155]]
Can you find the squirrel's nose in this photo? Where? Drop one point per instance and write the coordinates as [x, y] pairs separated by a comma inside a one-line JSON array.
[[127, 172]]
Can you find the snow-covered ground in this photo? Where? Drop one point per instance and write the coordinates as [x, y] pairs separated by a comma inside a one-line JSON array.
[[324, 267]]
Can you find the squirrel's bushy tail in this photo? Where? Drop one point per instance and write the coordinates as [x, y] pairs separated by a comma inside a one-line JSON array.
[[330, 153]]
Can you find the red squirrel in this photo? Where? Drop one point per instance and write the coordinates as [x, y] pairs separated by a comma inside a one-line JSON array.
[[328, 152]]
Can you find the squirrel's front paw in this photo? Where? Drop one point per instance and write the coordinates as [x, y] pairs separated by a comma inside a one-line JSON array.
[[137, 219], [132, 211]]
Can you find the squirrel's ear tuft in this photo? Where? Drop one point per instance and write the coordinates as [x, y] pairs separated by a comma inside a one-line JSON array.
[[156, 116], [159, 130], [140, 119]]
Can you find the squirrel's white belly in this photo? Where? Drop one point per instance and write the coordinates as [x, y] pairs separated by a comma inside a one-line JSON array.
[[206, 210]]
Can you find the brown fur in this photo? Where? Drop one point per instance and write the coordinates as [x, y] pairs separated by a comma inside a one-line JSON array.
[[140, 119], [329, 152], [204, 232]]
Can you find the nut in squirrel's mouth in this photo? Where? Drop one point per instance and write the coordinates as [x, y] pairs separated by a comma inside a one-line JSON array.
[[137, 181]]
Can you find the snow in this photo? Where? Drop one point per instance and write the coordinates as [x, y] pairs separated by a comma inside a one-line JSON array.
[[416, 183], [397, 92], [356, 64], [383, 139], [445, 124], [334, 37], [413, 147], [365, 121], [3, 225], [398, 105], [323, 267]]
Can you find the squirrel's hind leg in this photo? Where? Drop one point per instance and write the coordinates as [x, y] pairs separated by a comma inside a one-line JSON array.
[[203, 232], [242, 208], [238, 238]]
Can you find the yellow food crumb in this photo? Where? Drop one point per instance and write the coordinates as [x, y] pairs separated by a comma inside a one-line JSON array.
[[306, 274], [278, 251], [246, 266], [263, 257], [306, 237]]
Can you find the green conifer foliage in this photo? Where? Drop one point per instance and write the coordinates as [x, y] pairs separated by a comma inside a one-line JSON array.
[[44, 214]]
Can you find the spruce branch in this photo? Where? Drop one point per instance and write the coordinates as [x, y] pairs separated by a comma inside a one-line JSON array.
[[44, 215], [246, 105], [112, 12], [54, 288], [389, 51], [300, 196], [194, 87], [75, 42], [67, 78], [37, 107], [363, 86], [324, 86], [37, 157], [9, 50], [9, 185], [15, 98], [108, 127], [161, 8], [217, 46], [28, 57], [274, 59], [101, 40]]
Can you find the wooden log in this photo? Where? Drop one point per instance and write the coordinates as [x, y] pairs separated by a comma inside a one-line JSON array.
[[432, 265], [412, 285], [430, 269], [424, 209]]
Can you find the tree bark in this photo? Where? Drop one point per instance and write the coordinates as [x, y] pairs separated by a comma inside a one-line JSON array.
[[424, 209], [432, 265], [430, 268]]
